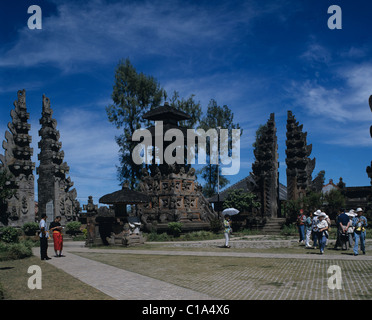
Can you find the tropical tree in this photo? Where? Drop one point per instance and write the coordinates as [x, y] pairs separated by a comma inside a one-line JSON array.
[[216, 117], [334, 200], [133, 94], [242, 200], [310, 203], [313, 201], [190, 106]]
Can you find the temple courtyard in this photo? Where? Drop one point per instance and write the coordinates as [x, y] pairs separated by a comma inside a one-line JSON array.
[[254, 268]]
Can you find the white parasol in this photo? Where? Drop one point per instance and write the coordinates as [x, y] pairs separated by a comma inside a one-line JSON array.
[[230, 211]]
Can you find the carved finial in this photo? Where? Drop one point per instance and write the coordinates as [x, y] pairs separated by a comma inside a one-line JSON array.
[[46, 105]]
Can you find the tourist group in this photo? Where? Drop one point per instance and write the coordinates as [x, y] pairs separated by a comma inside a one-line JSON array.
[[351, 227]]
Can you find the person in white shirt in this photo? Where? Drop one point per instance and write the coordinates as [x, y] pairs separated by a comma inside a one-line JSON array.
[[44, 235], [350, 230], [314, 228], [322, 231], [308, 229]]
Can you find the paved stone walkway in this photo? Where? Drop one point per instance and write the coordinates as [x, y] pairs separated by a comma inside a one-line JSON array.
[[243, 282], [118, 283]]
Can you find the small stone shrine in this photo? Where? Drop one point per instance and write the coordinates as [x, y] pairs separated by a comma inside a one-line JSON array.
[[265, 169], [125, 229], [175, 194], [17, 161], [299, 165], [53, 184]]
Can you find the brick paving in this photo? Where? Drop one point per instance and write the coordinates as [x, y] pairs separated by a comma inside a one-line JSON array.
[[118, 283], [279, 276]]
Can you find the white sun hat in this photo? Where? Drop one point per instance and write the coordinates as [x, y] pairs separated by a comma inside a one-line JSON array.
[[350, 213], [322, 214]]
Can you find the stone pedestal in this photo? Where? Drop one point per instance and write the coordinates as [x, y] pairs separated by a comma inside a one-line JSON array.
[[175, 197]]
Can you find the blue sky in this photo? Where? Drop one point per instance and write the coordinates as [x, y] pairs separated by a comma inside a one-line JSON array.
[[257, 57]]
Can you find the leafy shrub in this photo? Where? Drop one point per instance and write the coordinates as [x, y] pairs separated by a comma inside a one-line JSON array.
[[199, 235], [289, 230], [241, 200], [153, 236], [81, 237], [9, 234], [216, 225], [19, 251], [30, 228], [175, 228], [188, 236], [14, 251], [3, 247], [73, 227]]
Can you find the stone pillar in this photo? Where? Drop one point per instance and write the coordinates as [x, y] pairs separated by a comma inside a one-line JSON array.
[[299, 165], [53, 184], [265, 168], [17, 161]]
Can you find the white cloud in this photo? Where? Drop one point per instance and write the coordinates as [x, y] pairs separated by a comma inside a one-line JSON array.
[[339, 111], [88, 140], [317, 53], [341, 103], [90, 150], [354, 136], [354, 53], [99, 31]]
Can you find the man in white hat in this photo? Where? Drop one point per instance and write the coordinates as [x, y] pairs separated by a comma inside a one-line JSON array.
[[322, 231], [315, 228], [360, 224]]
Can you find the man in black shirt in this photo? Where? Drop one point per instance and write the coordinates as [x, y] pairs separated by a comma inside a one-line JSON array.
[[343, 224], [56, 228]]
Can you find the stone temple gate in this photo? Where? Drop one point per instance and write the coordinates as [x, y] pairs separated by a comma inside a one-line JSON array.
[[54, 194]]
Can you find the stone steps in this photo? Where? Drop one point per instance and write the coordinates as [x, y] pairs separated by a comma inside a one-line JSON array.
[[273, 226]]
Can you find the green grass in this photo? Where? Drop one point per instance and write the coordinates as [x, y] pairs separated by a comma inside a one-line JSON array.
[[56, 284]]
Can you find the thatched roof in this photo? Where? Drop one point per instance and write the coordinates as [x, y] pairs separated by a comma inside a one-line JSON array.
[[247, 184], [124, 196], [165, 113]]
